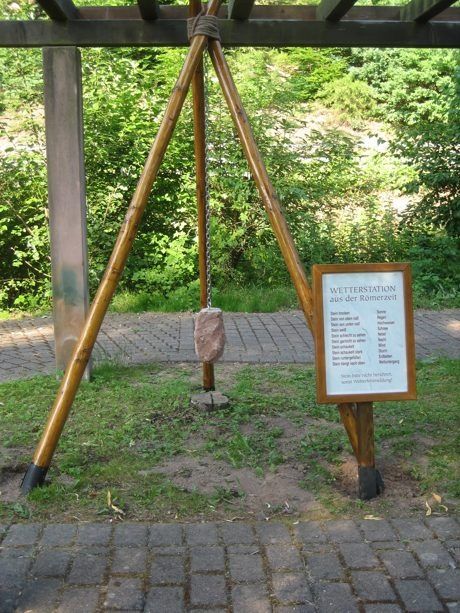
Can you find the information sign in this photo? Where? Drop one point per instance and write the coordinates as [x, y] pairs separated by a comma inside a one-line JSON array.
[[364, 332]]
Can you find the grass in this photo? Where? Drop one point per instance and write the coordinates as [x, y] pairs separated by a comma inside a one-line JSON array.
[[129, 420], [247, 299]]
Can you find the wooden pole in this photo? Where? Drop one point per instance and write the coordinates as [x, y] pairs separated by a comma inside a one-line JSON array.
[[262, 180], [348, 416], [66, 197], [36, 472], [370, 480], [199, 118]]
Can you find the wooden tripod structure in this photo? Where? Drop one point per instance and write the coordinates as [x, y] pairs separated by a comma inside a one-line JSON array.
[[358, 418]]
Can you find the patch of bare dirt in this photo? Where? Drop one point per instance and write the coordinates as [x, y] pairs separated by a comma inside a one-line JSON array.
[[10, 483], [402, 492], [253, 494]]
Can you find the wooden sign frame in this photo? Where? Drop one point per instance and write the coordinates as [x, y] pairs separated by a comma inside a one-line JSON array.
[[320, 348]]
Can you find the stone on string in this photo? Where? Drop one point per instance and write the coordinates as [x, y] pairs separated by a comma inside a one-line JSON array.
[[209, 334]]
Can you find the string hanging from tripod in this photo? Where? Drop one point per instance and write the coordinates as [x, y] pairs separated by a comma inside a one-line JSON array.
[[209, 333]]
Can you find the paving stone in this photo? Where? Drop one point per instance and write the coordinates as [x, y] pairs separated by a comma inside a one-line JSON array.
[[454, 549], [394, 545], [81, 599], [167, 569], [325, 566], [169, 551], [291, 587], [246, 549], [379, 530], [250, 599], [273, 533], [125, 594], [446, 582], [17, 552], [412, 529], [380, 607], [93, 534], [371, 585], [13, 571], [58, 535], [208, 590], [233, 534], [295, 608], [358, 555], [284, 557], [51, 563], [87, 569], [444, 527], [207, 559], [8, 598], [401, 564], [21, 534], [418, 596], [310, 532], [129, 560], [39, 596], [165, 535], [334, 597], [432, 553], [247, 568], [201, 534], [126, 535], [343, 531], [165, 600]]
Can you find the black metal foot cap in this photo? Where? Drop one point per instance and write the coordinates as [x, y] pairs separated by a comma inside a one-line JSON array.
[[34, 477], [370, 482]]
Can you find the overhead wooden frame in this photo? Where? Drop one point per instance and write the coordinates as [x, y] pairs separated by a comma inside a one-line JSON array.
[[333, 23]]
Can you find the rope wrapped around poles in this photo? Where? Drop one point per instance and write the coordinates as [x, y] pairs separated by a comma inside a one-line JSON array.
[[204, 25]]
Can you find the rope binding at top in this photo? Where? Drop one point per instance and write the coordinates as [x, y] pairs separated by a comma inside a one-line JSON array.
[[203, 25]]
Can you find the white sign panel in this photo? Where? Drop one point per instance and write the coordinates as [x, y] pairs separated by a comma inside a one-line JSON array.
[[364, 332]]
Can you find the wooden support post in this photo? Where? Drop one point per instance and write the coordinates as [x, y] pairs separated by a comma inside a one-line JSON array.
[[66, 197], [370, 480], [37, 470], [348, 416], [259, 172], [199, 128]]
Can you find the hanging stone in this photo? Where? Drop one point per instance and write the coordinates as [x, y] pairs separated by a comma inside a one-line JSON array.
[[209, 334]]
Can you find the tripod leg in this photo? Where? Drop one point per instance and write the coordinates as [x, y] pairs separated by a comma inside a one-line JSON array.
[[262, 180], [362, 442], [199, 119], [36, 472]]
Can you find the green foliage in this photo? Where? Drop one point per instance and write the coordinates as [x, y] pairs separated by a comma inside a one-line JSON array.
[[352, 99], [337, 193]]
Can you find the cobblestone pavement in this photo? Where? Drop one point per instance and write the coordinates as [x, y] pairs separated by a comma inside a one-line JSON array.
[[341, 566], [27, 346]]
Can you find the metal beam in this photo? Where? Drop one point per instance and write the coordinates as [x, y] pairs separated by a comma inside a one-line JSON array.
[[422, 11], [148, 9], [333, 10], [59, 10], [240, 9], [234, 33]]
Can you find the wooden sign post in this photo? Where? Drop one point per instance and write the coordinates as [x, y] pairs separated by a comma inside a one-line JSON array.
[[365, 349]]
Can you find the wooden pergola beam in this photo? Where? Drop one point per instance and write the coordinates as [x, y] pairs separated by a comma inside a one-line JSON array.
[[148, 9], [234, 33], [422, 11], [59, 10], [240, 9], [334, 10]]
